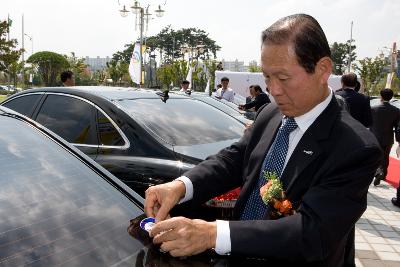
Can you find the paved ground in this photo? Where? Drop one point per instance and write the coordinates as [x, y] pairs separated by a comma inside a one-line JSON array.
[[378, 230]]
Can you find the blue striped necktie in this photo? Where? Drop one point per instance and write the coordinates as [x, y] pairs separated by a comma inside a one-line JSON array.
[[274, 161]]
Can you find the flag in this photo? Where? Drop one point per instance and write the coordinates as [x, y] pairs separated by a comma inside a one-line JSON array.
[[135, 68], [207, 90], [189, 77]]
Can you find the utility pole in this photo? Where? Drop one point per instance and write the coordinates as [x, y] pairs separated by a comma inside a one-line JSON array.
[[350, 43], [23, 51]]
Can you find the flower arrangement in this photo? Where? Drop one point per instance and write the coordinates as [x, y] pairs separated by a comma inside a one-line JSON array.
[[274, 196]]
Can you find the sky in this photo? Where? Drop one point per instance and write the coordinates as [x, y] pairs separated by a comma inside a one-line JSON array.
[[95, 28]]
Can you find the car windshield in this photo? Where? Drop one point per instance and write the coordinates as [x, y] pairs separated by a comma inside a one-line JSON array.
[[183, 122], [220, 105], [55, 209]]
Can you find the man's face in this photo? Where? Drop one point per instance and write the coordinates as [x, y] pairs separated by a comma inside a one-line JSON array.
[[252, 91], [71, 81], [185, 86], [295, 91], [224, 84]]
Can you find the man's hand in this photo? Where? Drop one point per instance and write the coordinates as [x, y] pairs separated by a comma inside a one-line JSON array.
[[160, 199], [184, 237]]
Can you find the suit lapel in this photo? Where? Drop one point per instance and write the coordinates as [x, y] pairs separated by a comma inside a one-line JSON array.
[[308, 149], [305, 153]]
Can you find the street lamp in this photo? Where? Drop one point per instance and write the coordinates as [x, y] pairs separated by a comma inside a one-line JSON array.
[[144, 18]]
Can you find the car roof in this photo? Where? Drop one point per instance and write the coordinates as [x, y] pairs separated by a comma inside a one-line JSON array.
[[106, 92]]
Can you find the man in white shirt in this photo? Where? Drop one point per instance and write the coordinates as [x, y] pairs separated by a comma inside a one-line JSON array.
[[324, 158], [185, 86], [225, 92]]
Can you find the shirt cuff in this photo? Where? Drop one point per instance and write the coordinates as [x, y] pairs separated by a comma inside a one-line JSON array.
[[189, 189], [223, 242]]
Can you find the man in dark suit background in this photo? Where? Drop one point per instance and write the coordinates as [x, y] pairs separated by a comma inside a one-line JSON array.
[[260, 99], [357, 103], [385, 120], [325, 160]]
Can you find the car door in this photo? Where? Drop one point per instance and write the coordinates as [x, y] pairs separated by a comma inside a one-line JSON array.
[[73, 118]]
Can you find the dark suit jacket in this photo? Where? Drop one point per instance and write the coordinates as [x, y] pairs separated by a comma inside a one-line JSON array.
[[328, 187], [357, 104], [385, 118], [260, 100]]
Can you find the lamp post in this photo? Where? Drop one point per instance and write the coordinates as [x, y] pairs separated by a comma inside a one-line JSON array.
[[31, 39], [144, 18]]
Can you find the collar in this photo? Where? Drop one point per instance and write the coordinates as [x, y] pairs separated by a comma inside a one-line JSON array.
[[304, 121]]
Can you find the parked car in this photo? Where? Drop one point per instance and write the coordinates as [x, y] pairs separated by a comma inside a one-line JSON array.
[[134, 134], [60, 208]]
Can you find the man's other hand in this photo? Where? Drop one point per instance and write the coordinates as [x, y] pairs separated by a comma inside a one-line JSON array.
[[184, 237], [160, 199]]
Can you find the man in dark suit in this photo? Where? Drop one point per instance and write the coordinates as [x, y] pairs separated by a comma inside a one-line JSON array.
[[324, 158], [261, 99], [385, 120], [357, 104]]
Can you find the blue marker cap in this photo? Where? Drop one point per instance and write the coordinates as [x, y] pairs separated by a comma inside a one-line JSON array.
[[147, 223]]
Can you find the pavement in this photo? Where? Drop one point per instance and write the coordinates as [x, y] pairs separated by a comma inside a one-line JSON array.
[[377, 237]]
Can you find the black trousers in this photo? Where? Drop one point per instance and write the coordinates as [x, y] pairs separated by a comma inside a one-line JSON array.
[[383, 169]]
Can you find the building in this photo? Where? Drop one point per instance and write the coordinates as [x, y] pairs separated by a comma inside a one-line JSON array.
[[97, 63], [234, 65]]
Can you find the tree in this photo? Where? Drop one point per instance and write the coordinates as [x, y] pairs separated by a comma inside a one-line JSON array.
[[340, 56], [80, 69], [8, 53], [117, 70], [370, 71], [49, 65]]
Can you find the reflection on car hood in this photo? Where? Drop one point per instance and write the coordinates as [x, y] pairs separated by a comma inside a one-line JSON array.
[[202, 151]]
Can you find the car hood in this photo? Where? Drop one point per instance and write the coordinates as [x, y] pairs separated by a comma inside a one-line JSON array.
[[202, 151]]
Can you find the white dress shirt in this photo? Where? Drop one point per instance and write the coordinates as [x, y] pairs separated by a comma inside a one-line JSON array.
[[223, 242], [227, 94]]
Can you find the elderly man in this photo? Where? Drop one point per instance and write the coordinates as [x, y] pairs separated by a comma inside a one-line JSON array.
[[323, 157]]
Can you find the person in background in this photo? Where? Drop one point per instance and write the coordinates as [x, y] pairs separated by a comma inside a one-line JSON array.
[[385, 121], [357, 104], [225, 92], [67, 78], [260, 99], [185, 86], [251, 97]]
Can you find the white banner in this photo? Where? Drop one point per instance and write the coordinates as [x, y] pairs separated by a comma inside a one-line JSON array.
[[189, 77], [135, 70]]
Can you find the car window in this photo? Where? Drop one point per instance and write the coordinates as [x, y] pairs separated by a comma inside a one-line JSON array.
[[108, 134], [55, 209], [71, 118], [184, 122], [221, 106], [23, 104]]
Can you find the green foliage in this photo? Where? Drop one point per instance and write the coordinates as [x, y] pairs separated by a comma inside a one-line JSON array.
[[370, 71], [49, 65], [340, 56], [255, 68], [9, 55], [80, 70], [13, 69], [117, 70]]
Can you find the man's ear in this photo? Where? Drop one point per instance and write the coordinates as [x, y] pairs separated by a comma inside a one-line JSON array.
[[324, 69]]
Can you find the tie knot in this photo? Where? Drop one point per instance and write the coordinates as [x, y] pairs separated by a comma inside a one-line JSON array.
[[289, 124]]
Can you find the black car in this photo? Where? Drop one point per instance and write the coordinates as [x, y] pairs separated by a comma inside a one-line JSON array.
[[60, 208], [137, 135]]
